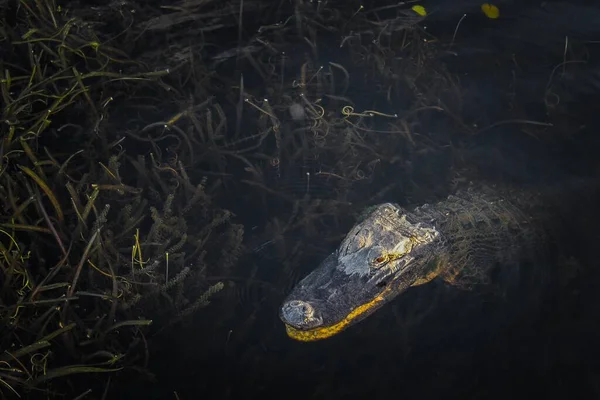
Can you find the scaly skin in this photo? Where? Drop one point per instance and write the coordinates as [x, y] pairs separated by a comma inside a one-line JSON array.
[[459, 240]]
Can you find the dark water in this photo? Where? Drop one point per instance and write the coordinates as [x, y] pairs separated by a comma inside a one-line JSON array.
[[435, 341], [526, 112]]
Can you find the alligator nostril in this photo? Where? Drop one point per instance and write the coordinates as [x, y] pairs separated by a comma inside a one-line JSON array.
[[299, 314]]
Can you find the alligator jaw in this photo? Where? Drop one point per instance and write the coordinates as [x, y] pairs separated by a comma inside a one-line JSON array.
[[324, 332], [381, 257]]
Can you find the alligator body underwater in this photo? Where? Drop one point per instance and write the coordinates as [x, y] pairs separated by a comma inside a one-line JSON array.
[[460, 239]]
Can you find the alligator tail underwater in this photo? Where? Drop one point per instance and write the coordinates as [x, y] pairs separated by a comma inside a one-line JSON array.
[[460, 239]]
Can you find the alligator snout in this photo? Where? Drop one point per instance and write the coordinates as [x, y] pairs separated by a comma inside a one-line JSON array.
[[300, 315]]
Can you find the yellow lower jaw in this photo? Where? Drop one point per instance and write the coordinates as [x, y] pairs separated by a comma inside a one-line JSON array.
[[313, 334], [324, 332]]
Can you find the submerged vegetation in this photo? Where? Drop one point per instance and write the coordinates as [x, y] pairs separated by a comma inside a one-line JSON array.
[[98, 241], [140, 142]]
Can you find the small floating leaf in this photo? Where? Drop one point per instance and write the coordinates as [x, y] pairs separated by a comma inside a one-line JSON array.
[[490, 10], [420, 10]]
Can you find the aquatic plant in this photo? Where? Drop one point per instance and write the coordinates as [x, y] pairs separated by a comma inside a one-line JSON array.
[[138, 143], [87, 250]]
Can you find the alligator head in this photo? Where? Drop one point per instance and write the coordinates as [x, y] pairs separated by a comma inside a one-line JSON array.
[[382, 256]]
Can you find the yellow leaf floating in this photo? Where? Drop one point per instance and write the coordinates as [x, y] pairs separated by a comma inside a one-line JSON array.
[[490, 10], [419, 10]]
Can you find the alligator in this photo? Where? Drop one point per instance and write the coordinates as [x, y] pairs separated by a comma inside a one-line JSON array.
[[460, 240]]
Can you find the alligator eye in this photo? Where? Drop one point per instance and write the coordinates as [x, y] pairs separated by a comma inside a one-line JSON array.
[[380, 260]]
